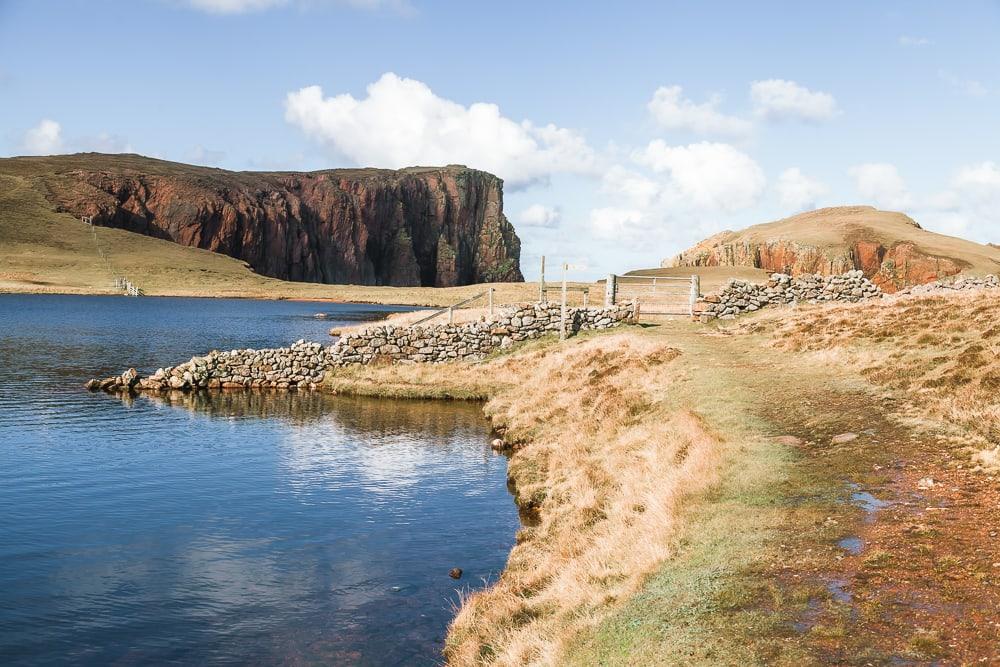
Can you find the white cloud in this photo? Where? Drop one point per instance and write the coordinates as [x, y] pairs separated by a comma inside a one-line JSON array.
[[623, 225], [909, 40], [539, 215], [105, 143], [403, 123], [969, 87], [675, 112], [970, 207], [43, 139], [706, 175], [631, 186], [206, 156], [881, 185], [778, 99], [797, 192], [247, 6]]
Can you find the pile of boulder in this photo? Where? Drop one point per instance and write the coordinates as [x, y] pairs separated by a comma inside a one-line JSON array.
[[741, 296], [303, 364]]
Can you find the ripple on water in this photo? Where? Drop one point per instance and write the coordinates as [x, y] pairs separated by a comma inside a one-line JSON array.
[[246, 528]]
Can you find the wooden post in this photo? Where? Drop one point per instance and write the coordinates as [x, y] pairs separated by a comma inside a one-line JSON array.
[[586, 293], [451, 315], [695, 292], [610, 290], [541, 284], [654, 284], [491, 301], [562, 312]]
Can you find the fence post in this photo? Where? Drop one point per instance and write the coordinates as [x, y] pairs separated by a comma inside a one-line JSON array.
[[562, 312], [541, 284], [586, 294], [491, 301], [451, 315], [695, 292], [610, 290]]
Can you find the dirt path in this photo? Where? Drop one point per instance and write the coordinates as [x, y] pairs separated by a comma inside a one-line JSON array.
[[890, 553]]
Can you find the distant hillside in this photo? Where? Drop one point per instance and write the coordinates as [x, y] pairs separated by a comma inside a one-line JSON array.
[[424, 226], [891, 248]]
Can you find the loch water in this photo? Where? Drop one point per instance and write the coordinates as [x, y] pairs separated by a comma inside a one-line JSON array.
[[259, 528]]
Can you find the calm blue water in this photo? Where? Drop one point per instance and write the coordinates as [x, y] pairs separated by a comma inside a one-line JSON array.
[[228, 529]]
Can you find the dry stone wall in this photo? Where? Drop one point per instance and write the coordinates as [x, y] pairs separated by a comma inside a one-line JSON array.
[[444, 342], [741, 296], [303, 364], [971, 283]]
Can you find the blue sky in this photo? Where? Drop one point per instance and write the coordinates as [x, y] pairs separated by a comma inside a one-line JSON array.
[[624, 131]]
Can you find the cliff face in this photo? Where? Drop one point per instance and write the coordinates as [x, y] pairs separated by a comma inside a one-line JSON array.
[[422, 226], [890, 249]]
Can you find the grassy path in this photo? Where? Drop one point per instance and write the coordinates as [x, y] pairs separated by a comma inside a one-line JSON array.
[[806, 532], [795, 558]]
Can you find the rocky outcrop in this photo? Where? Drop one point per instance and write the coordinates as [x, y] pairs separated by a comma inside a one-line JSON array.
[[303, 364], [421, 226], [890, 249]]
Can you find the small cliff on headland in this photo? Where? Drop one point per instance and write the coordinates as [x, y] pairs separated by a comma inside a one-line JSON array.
[[890, 248], [421, 226]]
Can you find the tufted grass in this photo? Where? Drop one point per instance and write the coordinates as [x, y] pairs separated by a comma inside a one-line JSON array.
[[942, 351]]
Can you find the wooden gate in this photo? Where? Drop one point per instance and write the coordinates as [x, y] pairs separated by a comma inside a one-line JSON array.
[[657, 295]]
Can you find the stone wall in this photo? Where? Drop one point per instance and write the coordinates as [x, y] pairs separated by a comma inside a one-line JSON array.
[[444, 342], [303, 364], [971, 283], [741, 296]]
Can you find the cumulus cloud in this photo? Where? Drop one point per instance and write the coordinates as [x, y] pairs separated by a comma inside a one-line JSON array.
[[970, 206], [797, 192], [247, 6], [909, 40], [778, 99], [623, 225], [674, 195], [43, 139], [539, 215], [401, 122], [706, 175], [880, 184], [673, 111]]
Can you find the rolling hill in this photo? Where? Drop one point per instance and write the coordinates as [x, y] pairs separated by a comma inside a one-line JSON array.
[[890, 248]]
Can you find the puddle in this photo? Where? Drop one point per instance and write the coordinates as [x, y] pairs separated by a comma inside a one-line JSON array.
[[838, 589], [866, 501], [852, 545]]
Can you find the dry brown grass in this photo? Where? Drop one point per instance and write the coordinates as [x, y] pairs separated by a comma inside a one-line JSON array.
[[600, 458], [941, 352]]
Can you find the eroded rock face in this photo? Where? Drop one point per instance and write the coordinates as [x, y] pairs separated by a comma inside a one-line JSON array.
[[879, 244], [423, 226]]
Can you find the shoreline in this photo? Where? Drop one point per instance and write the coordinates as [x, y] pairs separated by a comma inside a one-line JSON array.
[[689, 502]]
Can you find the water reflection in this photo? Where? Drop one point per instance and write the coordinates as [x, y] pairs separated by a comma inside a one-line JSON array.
[[247, 528]]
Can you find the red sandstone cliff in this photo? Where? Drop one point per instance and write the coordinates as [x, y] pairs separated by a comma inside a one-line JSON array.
[[890, 248], [419, 226]]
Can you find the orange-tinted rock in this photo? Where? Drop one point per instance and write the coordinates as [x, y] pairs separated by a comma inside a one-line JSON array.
[[422, 226], [891, 249]]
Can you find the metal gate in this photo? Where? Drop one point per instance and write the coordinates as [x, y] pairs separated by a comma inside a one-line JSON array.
[[657, 295]]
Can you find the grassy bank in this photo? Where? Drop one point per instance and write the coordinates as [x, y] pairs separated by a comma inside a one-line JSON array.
[[693, 486]]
